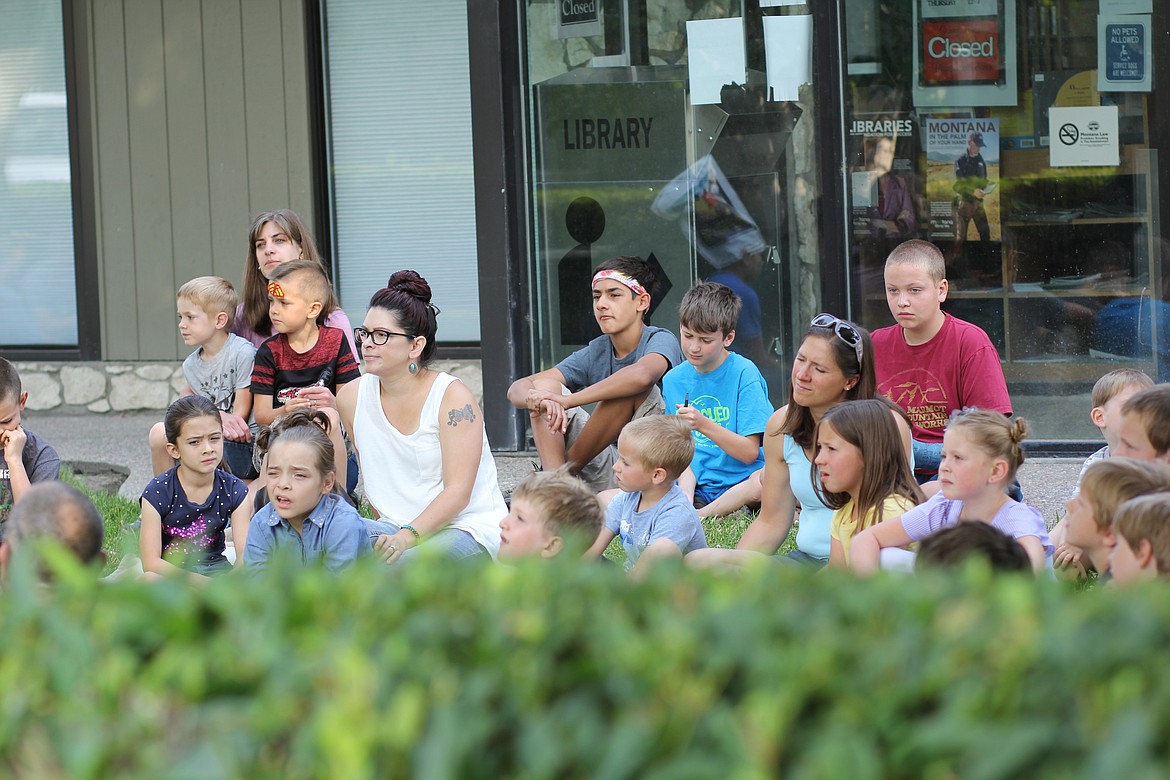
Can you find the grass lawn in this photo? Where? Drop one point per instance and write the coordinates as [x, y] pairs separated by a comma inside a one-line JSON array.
[[118, 512], [720, 532]]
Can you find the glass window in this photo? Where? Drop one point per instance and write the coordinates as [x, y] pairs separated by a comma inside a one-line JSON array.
[[400, 143], [685, 135], [36, 206], [1016, 136]]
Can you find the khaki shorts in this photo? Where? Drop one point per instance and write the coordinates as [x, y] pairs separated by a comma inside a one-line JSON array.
[[598, 473]]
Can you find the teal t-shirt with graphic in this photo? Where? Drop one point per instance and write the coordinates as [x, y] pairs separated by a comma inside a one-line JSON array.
[[735, 396]]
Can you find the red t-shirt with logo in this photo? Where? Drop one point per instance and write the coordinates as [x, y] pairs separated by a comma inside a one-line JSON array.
[[958, 368]]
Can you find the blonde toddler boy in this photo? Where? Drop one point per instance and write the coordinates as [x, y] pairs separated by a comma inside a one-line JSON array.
[[551, 513], [652, 515]]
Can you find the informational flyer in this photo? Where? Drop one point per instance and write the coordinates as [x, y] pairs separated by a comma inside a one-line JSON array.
[[882, 154], [1126, 7], [715, 57], [957, 9], [962, 179], [788, 54], [1084, 136], [1124, 53]]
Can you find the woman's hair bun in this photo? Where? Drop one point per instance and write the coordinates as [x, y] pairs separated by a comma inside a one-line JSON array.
[[412, 284]]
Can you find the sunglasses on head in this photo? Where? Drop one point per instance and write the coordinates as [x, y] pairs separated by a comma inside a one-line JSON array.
[[843, 329]]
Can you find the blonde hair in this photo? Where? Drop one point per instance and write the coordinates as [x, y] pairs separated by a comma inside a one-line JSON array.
[[920, 254], [1147, 518], [995, 434], [1109, 483], [661, 441], [1109, 385], [1152, 408], [566, 507], [213, 295]]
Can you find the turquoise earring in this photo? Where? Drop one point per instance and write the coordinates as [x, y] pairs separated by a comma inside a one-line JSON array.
[[412, 368]]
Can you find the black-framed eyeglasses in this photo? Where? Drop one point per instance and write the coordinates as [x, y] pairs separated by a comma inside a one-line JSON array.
[[844, 331], [378, 336]]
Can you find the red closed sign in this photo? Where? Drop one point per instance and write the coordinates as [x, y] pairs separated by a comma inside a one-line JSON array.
[[962, 51]]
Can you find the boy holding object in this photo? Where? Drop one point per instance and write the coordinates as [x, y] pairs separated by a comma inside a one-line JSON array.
[[720, 394], [652, 514]]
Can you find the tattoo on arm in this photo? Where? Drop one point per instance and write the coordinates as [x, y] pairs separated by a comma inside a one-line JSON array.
[[456, 416]]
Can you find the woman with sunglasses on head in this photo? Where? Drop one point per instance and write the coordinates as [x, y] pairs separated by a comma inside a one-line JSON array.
[[429, 473], [834, 364]]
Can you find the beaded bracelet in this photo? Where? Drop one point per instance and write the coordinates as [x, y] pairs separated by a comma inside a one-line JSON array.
[[411, 528]]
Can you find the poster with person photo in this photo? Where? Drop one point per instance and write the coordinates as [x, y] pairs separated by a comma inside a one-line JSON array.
[[962, 179], [882, 152]]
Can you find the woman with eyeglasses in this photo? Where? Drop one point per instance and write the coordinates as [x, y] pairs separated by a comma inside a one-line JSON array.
[[834, 364], [429, 473]]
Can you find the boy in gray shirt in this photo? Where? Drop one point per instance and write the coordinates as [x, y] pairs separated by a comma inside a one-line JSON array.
[[620, 371], [220, 370], [652, 515], [25, 458]]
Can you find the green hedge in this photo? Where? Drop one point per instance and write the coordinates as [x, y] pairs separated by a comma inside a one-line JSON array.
[[572, 671]]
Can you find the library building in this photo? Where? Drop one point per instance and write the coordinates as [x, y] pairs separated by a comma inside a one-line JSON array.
[[504, 149], [784, 148]]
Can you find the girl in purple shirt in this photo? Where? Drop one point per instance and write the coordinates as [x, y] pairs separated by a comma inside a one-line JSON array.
[[980, 456]]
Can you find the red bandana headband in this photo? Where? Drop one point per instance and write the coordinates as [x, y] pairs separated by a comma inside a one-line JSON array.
[[621, 278]]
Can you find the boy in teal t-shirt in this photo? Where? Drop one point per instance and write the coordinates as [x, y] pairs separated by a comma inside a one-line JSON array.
[[721, 394]]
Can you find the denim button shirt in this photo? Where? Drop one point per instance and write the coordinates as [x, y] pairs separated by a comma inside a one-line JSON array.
[[333, 534]]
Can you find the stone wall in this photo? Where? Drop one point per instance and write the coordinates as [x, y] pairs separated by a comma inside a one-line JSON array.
[[125, 387]]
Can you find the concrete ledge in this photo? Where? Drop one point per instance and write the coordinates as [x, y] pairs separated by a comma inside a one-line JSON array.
[[104, 387]]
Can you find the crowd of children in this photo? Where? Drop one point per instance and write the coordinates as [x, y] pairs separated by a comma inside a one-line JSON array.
[[896, 451]]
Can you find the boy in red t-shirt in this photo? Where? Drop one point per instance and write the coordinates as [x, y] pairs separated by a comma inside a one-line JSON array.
[[932, 363], [306, 361]]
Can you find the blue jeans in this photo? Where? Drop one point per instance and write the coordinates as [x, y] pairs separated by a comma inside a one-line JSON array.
[[454, 544], [926, 460], [800, 558], [238, 456]]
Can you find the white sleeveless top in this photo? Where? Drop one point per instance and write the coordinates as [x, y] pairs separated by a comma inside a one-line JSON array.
[[403, 474]]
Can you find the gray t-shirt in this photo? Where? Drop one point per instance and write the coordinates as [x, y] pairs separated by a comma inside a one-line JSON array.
[[41, 464], [218, 379], [596, 361], [673, 518]]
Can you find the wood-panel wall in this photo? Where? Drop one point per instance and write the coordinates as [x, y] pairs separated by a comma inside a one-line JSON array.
[[199, 120]]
